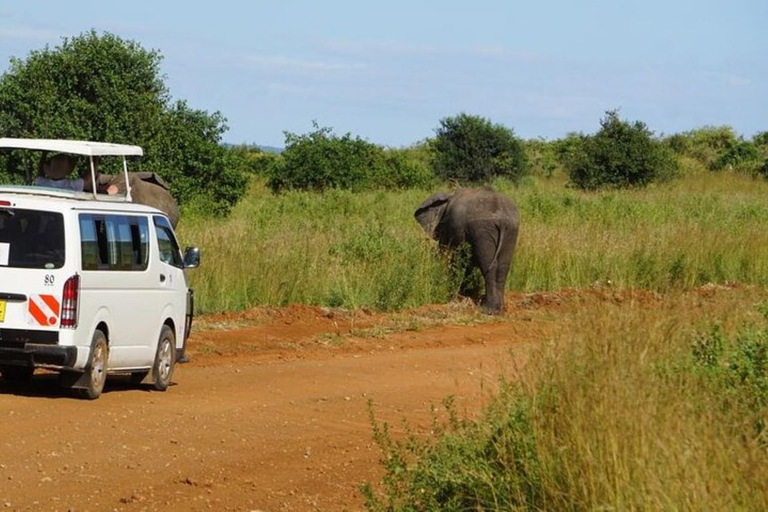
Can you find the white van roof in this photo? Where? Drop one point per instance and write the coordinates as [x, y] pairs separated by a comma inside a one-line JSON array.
[[76, 147]]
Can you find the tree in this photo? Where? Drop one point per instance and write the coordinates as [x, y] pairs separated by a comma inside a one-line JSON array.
[[470, 149], [320, 160], [104, 88], [620, 155]]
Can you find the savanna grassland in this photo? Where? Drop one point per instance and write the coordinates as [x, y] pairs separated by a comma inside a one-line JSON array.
[[628, 408], [364, 249]]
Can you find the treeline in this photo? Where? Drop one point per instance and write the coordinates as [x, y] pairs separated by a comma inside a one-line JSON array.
[[101, 87], [469, 149]]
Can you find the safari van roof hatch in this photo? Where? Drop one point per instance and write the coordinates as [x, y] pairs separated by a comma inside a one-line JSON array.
[[79, 147]]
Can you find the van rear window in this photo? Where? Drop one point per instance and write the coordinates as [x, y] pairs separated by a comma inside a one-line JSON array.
[[31, 238], [114, 242]]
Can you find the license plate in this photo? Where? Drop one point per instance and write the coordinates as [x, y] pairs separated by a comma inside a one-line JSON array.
[[2, 310]]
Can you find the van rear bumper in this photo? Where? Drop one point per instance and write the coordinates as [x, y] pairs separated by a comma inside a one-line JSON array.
[[34, 354]]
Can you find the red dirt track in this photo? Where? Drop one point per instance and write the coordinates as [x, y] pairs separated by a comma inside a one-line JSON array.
[[271, 413]]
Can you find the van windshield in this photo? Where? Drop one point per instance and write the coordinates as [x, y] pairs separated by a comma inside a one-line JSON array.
[[31, 239]]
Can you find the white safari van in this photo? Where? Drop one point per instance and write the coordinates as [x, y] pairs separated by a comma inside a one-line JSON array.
[[90, 284]]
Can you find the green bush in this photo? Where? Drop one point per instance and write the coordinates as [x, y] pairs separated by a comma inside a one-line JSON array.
[[408, 168], [470, 149], [703, 144], [620, 155], [542, 157], [321, 160], [742, 155]]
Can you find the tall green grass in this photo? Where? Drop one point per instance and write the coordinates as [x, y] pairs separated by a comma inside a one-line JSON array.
[[336, 249], [629, 409], [365, 250]]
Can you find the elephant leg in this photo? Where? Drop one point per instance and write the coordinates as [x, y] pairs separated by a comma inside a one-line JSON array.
[[505, 255], [485, 243]]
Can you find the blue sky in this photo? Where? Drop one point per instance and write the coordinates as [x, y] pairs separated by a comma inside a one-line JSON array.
[[389, 71]]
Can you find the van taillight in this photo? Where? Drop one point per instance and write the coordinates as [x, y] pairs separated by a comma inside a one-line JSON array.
[[71, 298]]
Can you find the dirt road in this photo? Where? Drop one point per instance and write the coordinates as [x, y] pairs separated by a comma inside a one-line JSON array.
[[270, 414]]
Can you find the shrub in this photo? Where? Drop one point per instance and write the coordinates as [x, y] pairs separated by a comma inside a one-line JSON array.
[[542, 157], [321, 160], [470, 149], [704, 144], [620, 155], [408, 168], [742, 155]]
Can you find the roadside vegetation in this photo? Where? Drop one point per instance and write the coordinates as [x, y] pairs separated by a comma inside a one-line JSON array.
[[655, 407]]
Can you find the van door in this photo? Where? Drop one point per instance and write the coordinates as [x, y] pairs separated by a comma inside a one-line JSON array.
[[117, 286], [171, 277]]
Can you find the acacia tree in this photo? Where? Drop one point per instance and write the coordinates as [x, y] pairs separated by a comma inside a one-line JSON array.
[[471, 149], [101, 87]]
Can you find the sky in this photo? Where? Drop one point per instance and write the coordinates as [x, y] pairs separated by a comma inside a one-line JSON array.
[[388, 72]]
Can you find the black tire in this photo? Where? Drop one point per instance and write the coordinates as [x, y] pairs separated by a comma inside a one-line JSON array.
[[165, 359], [17, 373], [97, 367]]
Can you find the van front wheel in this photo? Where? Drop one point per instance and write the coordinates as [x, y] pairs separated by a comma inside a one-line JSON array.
[[97, 367], [165, 359]]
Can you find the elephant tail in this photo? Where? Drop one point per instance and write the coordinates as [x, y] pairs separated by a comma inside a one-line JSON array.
[[499, 244]]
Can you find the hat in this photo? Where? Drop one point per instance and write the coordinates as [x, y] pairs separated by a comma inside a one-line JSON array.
[[59, 166]]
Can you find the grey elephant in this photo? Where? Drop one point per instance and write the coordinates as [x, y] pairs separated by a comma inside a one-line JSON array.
[[146, 188], [488, 221]]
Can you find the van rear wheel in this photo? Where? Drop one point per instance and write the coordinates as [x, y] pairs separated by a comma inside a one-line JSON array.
[[97, 367], [165, 359]]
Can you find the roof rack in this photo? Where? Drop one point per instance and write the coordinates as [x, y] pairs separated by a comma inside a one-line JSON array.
[[75, 147], [80, 147]]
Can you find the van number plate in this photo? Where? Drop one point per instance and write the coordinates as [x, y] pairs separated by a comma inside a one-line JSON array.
[[2, 310]]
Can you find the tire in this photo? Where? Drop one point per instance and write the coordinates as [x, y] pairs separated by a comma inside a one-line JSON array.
[[97, 367], [17, 373], [165, 359]]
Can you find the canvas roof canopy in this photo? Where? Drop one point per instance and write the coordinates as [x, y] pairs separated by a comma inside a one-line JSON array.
[[75, 147]]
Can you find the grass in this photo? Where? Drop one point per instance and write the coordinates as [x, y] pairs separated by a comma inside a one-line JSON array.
[[353, 250], [627, 408]]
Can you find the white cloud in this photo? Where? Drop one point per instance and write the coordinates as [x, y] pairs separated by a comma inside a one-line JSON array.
[[281, 62], [737, 80], [375, 47], [502, 52], [30, 34]]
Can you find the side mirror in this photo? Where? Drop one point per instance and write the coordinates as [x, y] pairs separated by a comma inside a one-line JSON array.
[[191, 257]]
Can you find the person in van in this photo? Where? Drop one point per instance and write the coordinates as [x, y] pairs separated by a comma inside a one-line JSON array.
[[55, 173]]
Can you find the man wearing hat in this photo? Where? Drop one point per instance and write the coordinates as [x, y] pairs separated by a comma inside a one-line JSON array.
[[54, 173]]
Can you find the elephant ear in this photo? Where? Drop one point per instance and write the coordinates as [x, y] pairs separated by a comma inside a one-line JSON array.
[[429, 212], [152, 177]]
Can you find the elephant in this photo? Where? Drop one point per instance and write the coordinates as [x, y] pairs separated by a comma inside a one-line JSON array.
[[488, 221], [147, 188]]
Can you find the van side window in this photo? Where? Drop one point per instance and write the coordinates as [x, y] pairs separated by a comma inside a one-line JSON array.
[[114, 242], [166, 241]]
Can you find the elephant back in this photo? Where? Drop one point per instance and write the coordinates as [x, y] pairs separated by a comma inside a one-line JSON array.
[[147, 188]]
